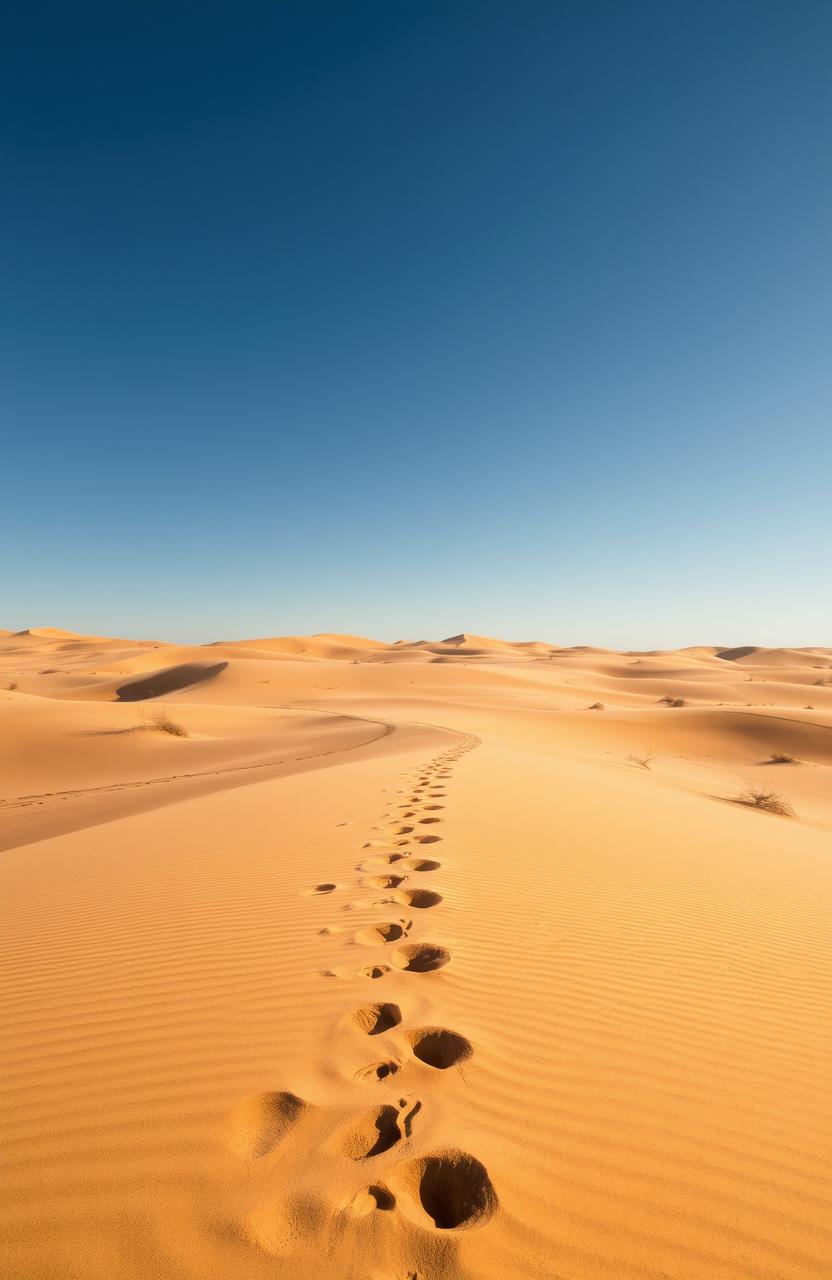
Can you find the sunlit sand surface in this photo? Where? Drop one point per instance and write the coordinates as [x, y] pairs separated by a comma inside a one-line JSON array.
[[331, 958]]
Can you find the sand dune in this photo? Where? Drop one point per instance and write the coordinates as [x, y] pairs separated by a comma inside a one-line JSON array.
[[451, 959]]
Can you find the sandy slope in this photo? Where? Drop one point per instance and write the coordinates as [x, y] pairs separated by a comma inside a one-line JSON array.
[[399, 965]]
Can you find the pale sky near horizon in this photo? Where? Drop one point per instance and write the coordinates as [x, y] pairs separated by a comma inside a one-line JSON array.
[[407, 319]]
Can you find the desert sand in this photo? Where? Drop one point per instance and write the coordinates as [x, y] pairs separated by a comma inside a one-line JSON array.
[[409, 960]]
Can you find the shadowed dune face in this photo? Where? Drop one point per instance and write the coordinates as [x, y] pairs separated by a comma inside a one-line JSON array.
[[169, 680]]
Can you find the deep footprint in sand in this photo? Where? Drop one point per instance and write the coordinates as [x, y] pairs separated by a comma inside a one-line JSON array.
[[372, 1133], [438, 1047], [380, 860], [424, 864], [259, 1123], [375, 1197], [421, 898], [378, 1070], [373, 971], [385, 882], [373, 1019], [318, 889], [420, 957], [374, 934], [448, 1190]]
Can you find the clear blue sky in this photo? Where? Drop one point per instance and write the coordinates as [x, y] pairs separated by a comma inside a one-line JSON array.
[[410, 317]]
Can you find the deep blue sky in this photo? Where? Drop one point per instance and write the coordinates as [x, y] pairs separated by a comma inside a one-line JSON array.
[[407, 318]]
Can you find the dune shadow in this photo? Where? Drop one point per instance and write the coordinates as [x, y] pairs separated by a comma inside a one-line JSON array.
[[169, 680]]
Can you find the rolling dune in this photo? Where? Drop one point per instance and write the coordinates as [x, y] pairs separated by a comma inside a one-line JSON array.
[[456, 960]]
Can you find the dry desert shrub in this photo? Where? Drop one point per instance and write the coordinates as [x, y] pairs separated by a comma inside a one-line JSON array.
[[781, 757], [11, 687], [595, 706], [755, 797], [164, 723], [669, 701], [642, 758]]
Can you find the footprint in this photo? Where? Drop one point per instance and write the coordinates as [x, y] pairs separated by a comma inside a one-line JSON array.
[[374, 934], [373, 1019], [421, 898], [380, 860], [404, 831], [449, 1189], [426, 822], [378, 1070], [439, 1047], [420, 957], [428, 839], [385, 882], [318, 888], [433, 806], [373, 971], [424, 864], [259, 1123], [372, 1133], [375, 1197]]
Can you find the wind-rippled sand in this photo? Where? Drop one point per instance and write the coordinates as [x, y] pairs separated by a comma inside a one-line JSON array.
[[413, 961]]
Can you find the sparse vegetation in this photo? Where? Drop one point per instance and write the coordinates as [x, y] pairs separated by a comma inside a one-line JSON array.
[[669, 701], [11, 687], [596, 706], [780, 757], [642, 758], [161, 721], [764, 798]]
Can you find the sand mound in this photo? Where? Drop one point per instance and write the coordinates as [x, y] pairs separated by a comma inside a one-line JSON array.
[[259, 1123]]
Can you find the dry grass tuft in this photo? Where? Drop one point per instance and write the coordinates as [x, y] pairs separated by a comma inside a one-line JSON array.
[[669, 701], [764, 798], [596, 706], [781, 757], [161, 721], [11, 687], [642, 758]]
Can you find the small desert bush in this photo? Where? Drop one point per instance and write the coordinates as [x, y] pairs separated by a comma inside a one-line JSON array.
[[642, 758], [780, 757], [164, 723], [596, 706], [764, 798], [669, 701], [11, 687]]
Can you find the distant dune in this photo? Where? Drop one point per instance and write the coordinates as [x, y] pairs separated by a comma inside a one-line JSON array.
[[457, 959]]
